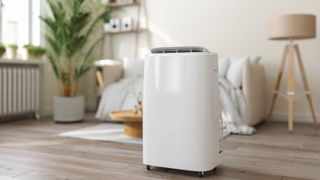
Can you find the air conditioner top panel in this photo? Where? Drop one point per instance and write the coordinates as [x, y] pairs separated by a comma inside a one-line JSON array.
[[182, 49]]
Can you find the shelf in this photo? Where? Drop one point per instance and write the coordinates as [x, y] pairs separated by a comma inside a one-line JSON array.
[[118, 5], [133, 5], [125, 32], [20, 61]]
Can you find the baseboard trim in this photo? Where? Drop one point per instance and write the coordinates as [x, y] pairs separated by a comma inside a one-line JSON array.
[[297, 117]]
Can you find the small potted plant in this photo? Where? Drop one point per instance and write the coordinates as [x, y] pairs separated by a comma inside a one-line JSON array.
[[25, 51], [37, 52], [107, 18], [2, 50], [12, 51], [31, 52]]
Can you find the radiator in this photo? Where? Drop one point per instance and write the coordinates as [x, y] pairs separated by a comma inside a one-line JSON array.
[[19, 89]]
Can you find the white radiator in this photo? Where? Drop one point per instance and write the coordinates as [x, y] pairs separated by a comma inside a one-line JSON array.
[[19, 89]]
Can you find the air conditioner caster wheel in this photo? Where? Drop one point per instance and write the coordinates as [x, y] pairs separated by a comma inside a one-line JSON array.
[[201, 173], [148, 167]]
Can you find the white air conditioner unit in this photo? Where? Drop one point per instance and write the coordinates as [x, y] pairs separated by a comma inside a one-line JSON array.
[[181, 116]]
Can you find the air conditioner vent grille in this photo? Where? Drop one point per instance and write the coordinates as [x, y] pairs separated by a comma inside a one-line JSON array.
[[189, 49]]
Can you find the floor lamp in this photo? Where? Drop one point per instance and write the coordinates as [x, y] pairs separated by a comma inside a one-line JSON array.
[[292, 27]]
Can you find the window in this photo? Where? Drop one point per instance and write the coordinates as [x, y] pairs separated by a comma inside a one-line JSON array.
[[20, 22], [36, 32]]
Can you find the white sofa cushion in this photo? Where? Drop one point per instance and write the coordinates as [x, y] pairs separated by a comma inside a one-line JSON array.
[[234, 74], [133, 68]]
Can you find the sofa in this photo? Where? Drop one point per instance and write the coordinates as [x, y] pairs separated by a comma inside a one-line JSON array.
[[247, 73]]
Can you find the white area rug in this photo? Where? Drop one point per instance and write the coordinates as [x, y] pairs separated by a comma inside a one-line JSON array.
[[103, 132]]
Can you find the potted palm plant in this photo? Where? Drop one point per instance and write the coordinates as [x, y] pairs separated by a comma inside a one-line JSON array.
[[70, 27]]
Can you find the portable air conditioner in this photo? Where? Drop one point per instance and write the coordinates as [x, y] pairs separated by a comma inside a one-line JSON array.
[[181, 114]]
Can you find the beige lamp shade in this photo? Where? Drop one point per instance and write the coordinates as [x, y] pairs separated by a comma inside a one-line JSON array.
[[292, 26]]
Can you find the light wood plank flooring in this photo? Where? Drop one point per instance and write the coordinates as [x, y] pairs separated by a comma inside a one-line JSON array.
[[31, 150]]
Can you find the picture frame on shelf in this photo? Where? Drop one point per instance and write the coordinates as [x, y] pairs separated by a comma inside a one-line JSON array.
[[114, 25], [127, 24]]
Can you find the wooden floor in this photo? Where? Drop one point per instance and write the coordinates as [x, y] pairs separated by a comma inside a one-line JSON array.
[[32, 150]]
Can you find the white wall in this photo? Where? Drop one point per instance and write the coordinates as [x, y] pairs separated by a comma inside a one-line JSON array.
[[232, 27]]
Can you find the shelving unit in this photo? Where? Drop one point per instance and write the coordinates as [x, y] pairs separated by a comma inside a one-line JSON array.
[[117, 5], [131, 31], [138, 4]]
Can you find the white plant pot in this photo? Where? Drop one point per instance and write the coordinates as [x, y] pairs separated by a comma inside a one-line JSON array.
[[12, 53], [68, 109], [24, 54]]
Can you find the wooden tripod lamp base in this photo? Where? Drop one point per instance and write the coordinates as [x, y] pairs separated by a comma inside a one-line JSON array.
[[290, 54], [291, 27]]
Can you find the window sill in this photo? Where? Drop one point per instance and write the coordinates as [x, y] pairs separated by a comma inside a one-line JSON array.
[[20, 61]]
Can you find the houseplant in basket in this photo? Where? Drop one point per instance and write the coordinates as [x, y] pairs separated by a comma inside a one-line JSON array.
[[70, 44]]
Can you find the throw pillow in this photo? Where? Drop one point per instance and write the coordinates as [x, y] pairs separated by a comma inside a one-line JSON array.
[[234, 74]]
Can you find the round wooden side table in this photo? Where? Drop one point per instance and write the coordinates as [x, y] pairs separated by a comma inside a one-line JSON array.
[[132, 122]]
